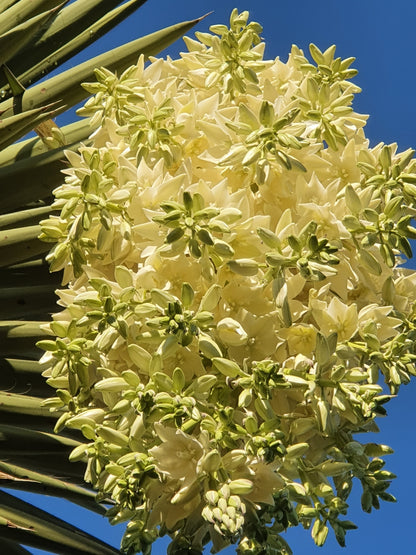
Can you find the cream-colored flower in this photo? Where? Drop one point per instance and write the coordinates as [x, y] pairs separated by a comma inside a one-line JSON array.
[[246, 293], [336, 317], [186, 358], [376, 320], [163, 510], [261, 337], [301, 338], [178, 454], [266, 481]]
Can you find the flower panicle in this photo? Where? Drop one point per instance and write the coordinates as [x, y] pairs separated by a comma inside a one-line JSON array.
[[232, 251]]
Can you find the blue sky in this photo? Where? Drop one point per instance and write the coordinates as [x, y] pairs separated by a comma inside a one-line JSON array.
[[380, 34]]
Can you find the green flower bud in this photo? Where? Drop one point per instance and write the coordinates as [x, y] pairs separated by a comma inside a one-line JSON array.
[[296, 450], [241, 486], [112, 436], [226, 367], [211, 462], [243, 267]]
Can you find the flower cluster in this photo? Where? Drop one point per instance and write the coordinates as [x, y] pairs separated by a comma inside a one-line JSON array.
[[233, 250]]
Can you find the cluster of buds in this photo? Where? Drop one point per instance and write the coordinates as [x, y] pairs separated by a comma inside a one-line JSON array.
[[224, 509]]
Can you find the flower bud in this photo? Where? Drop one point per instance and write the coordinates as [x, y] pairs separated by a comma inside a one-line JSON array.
[[222, 504], [231, 332], [211, 461], [243, 267], [251, 424], [113, 436], [245, 398], [297, 450], [233, 459], [227, 367], [212, 497], [241, 486]]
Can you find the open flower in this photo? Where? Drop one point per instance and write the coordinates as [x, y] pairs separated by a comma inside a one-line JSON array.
[[178, 454], [261, 337], [266, 481], [336, 317], [301, 338], [378, 321], [162, 508]]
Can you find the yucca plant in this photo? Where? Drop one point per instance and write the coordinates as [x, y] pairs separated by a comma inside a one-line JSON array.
[[36, 36]]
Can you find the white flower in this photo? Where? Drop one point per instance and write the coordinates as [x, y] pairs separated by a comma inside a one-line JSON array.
[[178, 454], [377, 320], [336, 317]]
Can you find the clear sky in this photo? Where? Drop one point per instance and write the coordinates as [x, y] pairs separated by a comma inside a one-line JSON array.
[[380, 34]]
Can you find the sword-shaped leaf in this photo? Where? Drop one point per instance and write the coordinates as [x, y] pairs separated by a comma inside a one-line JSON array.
[[23, 404], [28, 440], [30, 301], [33, 273], [14, 40], [26, 366], [14, 438], [18, 338], [24, 10], [18, 477], [31, 216], [21, 378], [12, 548], [65, 87], [71, 21], [31, 526], [17, 126], [55, 50], [31, 179], [73, 133], [6, 5], [20, 244]]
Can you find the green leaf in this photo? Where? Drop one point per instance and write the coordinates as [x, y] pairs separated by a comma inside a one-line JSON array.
[[16, 87], [25, 217], [25, 366], [66, 88], [15, 127], [23, 10], [12, 548], [72, 21], [22, 478], [6, 4], [34, 527], [12, 41], [20, 244], [36, 178], [22, 404], [73, 133], [59, 44]]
